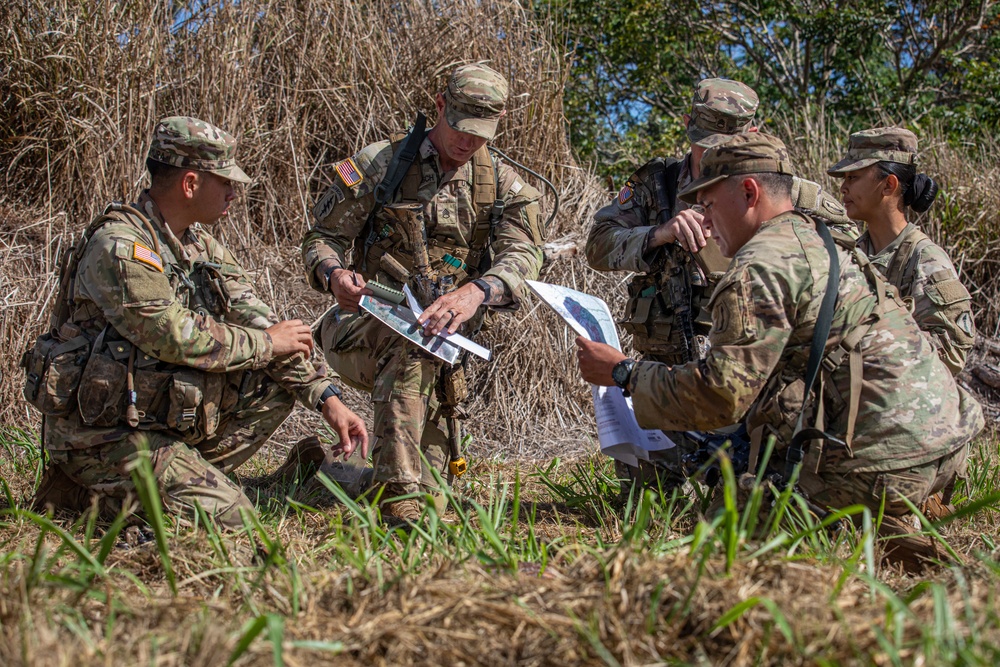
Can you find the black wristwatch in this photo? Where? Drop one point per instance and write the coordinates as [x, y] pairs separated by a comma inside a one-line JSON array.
[[622, 372], [485, 286], [327, 393]]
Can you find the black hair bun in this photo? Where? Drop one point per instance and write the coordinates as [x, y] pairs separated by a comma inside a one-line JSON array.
[[921, 194]]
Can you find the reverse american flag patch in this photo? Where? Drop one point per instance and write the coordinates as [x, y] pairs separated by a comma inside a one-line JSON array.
[[143, 254], [349, 172], [625, 193]]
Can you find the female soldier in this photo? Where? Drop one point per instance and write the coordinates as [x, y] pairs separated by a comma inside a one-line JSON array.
[[880, 183]]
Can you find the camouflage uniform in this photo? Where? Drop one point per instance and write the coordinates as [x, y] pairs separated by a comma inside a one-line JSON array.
[[672, 280], [919, 268], [404, 380], [906, 423], [183, 314]]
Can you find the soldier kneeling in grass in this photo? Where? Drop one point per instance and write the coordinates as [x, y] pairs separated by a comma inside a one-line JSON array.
[[868, 415], [159, 348]]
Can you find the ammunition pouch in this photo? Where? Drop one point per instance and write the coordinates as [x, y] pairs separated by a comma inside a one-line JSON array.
[[453, 391], [195, 402], [53, 368], [648, 315], [102, 387]]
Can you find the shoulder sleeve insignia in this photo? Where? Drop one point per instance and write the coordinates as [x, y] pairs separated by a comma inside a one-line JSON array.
[[626, 193], [349, 172], [334, 195], [143, 254]]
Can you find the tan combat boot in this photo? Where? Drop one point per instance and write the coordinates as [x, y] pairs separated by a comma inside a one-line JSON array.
[[913, 551], [57, 491], [401, 512], [303, 461], [935, 509]]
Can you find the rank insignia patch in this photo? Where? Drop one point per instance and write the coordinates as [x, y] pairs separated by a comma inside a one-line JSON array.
[[626, 193], [143, 254], [349, 172]]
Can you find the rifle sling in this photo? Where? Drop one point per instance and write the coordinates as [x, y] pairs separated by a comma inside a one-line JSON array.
[[387, 188]]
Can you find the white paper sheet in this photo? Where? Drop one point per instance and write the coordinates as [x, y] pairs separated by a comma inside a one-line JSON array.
[[617, 429]]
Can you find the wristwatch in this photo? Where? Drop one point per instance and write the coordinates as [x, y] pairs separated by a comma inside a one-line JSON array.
[[485, 286], [327, 393], [622, 372]]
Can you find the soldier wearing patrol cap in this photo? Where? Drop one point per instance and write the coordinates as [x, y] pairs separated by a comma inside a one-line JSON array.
[[893, 423], [880, 183], [435, 211], [647, 229], [159, 347]]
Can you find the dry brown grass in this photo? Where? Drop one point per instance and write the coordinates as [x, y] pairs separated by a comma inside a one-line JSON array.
[[301, 84]]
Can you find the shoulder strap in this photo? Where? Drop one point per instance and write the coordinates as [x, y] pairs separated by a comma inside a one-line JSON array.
[[821, 334], [903, 264], [660, 175], [400, 163], [489, 205]]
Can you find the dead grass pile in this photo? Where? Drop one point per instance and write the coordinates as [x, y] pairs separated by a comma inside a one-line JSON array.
[[301, 85]]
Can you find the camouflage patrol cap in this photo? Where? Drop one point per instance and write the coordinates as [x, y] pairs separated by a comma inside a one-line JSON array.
[[889, 144], [731, 154], [476, 97], [182, 141], [721, 106]]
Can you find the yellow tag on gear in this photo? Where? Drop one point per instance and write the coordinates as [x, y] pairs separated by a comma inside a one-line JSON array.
[[458, 467]]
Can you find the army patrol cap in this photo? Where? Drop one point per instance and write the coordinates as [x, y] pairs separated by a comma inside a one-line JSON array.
[[476, 97], [721, 106], [189, 143], [865, 148], [732, 154]]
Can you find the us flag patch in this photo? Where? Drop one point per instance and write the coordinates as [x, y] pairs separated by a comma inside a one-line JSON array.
[[625, 193], [143, 254], [349, 172]]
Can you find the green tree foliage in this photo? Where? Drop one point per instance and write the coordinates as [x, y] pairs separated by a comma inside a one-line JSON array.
[[836, 63]]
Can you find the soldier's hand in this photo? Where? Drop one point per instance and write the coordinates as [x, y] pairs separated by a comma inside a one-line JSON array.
[[289, 337], [348, 287], [596, 361], [685, 228], [449, 311], [349, 427]]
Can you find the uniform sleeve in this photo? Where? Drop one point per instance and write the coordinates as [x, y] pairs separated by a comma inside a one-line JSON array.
[[296, 373], [747, 338], [340, 213], [617, 239], [517, 240], [942, 307], [125, 279]]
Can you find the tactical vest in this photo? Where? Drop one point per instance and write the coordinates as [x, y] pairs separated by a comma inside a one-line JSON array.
[[104, 378], [393, 252], [903, 266]]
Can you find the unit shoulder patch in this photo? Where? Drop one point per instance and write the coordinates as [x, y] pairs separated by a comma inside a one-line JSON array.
[[141, 253], [333, 196]]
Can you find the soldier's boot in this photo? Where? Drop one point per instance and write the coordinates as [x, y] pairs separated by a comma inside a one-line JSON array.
[[935, 508], [303, 461], [646, 475], [57, 491], [399, 512], [913, 551]]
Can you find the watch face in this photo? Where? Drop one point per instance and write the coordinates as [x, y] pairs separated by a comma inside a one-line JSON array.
[[621, 371]]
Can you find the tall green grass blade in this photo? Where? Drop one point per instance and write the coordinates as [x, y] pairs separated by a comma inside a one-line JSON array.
[[149, 496]]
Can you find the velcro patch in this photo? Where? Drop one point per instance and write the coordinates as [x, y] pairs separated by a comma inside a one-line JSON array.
[[349, 172], [626, 193], [143, 254], [334, 195]]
